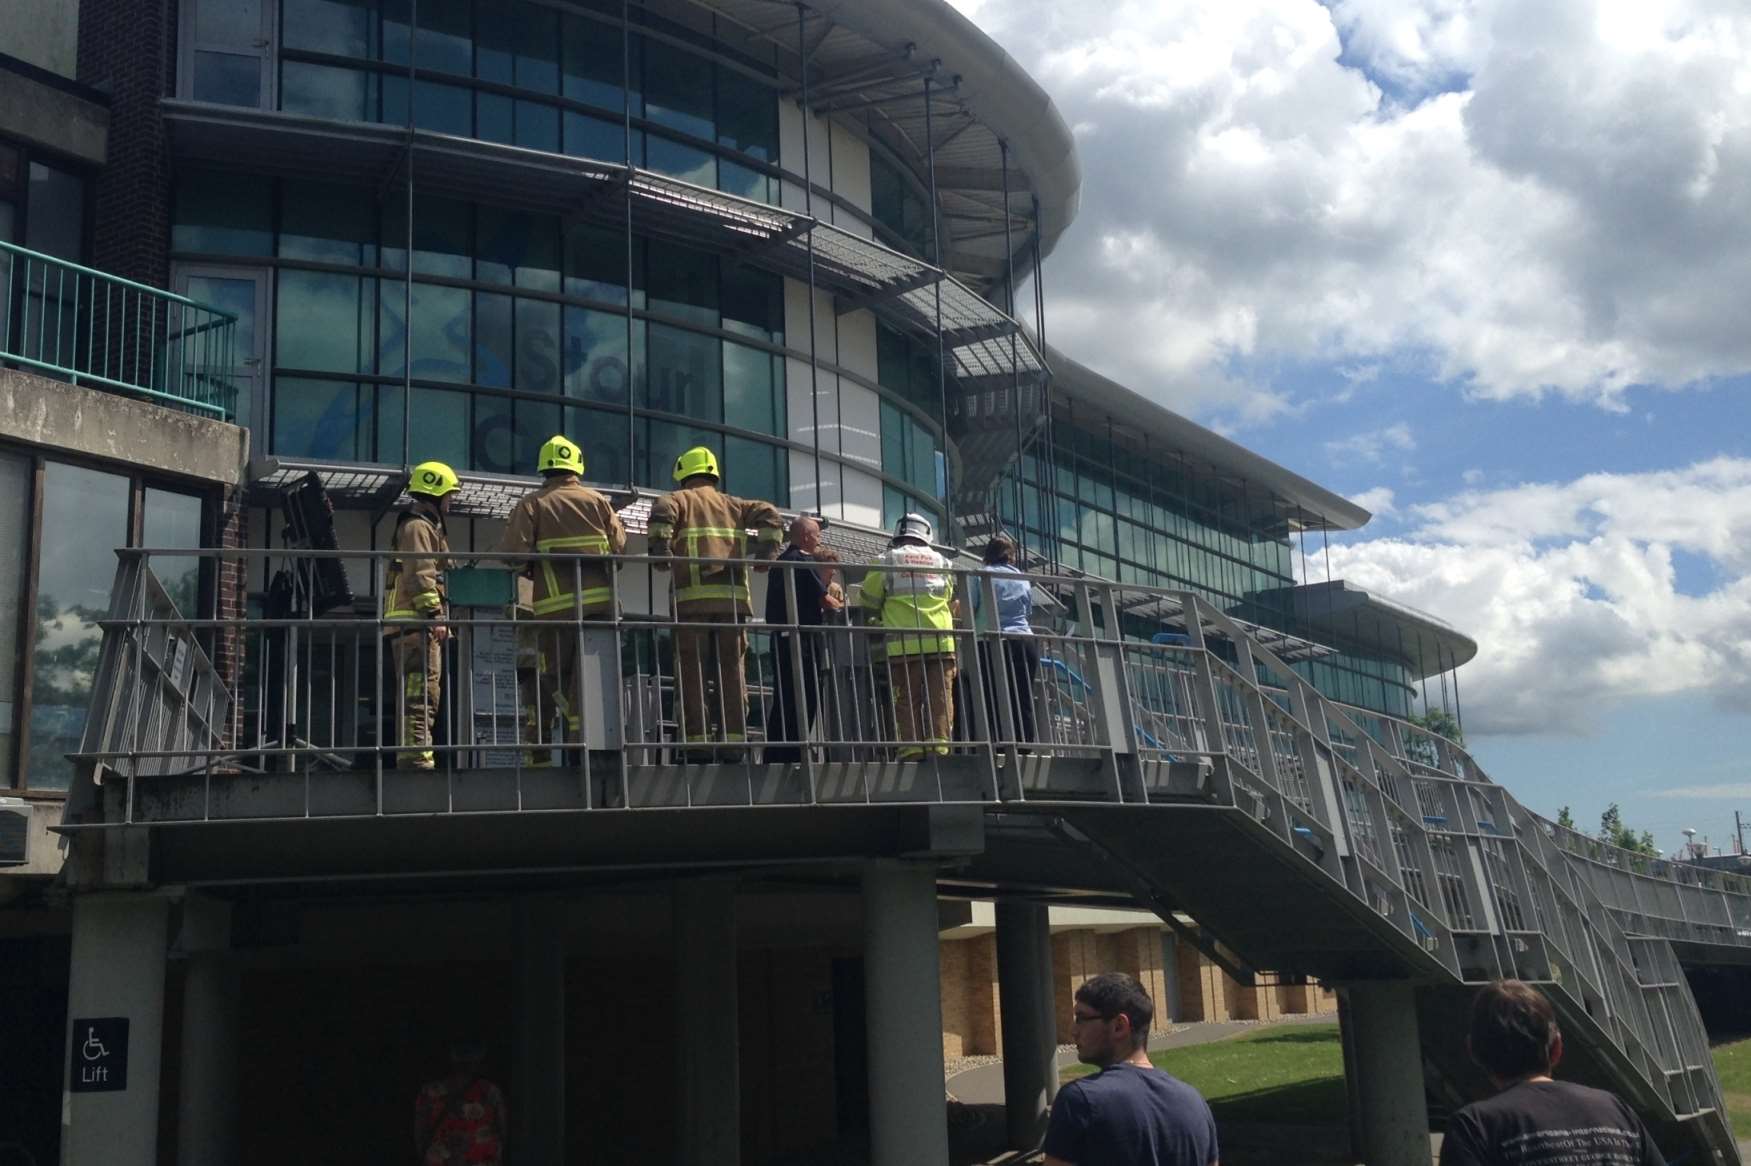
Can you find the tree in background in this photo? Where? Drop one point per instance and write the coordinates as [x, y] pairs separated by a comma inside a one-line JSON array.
[[1613, 831], [1440, 722], [1565, 819]]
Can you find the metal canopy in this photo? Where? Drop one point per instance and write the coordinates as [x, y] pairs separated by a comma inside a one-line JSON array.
[[1347, 614], [897, 288]]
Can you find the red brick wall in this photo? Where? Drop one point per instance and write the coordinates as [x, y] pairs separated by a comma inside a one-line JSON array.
[[128, 48]]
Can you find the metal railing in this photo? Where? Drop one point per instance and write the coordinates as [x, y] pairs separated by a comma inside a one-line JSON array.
[[90, 327], [303, 715]]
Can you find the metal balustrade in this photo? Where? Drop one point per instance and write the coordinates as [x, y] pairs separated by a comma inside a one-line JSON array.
[[90, 327], [212, 716]]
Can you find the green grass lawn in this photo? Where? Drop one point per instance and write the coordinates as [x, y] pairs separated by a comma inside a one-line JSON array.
[[1733, 1064], [1289, 1074]]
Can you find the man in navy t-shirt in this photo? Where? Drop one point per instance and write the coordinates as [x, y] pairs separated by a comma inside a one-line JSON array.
[[1130, 1113]]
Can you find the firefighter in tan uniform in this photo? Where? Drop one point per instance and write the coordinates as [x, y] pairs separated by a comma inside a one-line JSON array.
[[910, 591], [415, 592], [698, 526], [563, 517]]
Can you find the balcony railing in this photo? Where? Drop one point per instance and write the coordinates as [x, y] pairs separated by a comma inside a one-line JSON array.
[[92, 328]]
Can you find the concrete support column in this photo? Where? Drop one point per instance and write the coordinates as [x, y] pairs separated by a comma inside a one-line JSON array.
[[538, 1100], [908, 1118], [708, 1069], [206, 1109], [1380, 1020], [1030, 1037], [120, 942]]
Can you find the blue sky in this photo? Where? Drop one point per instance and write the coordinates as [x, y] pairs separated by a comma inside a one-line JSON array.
[[1480, 265]]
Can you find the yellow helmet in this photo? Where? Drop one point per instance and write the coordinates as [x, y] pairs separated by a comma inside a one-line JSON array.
[[560, 453], [433, 479], [697, 460]]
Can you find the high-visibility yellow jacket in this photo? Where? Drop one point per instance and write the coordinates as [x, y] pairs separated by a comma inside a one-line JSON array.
[[567, 517], [415, 583], [909, 589], [698, 525]]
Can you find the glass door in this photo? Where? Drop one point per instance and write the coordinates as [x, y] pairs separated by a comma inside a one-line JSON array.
[[228, 58], [242, 291]]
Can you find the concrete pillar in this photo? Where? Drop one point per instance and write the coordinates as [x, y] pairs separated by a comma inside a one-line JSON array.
[[908, 1116], [537, 1100], [120, 942], [206, 1109], [1030, 1037], [708, 1070], [1380, 1019]]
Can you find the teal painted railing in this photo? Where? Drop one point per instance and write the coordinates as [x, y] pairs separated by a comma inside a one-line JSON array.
[[92, 328]]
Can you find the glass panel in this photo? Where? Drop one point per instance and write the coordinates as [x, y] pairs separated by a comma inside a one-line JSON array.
[[442, 229], [681, 282], [54, 215], [228, 79], [747, 115], [494, 118], [753, 389], [223, 214], [517, 248], [688, 163], [537, 347], [15, 517], [323, 419], [495, 48], [753, 303], [677, 89], [439, 423], [601, 140], [444, 32], [492, 340], [745, 182], [686, 374], [228, 22], [593, 62], [893, 441], [494, 435], [73, 584], [536, 30], [444, 109], [663, 443], [536, 422], [595, 264], [595, 356], [323, 322], [603, 437], [441, 333], [754, 469], [342, 27], [173, 521], [327, 223], [537, 126], [324, 91]]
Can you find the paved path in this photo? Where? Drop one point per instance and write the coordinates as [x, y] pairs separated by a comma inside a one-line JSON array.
[[984, 1085]]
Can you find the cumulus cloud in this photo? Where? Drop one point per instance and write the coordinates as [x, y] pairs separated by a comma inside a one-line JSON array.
[[1528, 198], [1377, 501], [1571, 591], [1372, 446]]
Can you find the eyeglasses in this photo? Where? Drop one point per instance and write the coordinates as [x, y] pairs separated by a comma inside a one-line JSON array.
[[1086, 1018]]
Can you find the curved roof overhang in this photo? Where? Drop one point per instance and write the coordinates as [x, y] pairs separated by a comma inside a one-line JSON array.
[[1341, 613], [1302, 504], [868, 60]]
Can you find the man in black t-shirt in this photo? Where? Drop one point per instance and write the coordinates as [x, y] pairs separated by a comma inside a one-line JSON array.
[[782, 721], [1533, 1120], [1130, 1113]]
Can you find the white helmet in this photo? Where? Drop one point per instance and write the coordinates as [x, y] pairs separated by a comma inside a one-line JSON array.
[[915, 527]]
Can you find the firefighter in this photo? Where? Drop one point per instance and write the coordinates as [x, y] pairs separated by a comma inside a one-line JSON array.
[[415, 590], [910, 592], [563, 517], [698, 526]]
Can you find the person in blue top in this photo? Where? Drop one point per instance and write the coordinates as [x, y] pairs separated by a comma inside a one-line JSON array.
[[1021, 652], [1130, 1113]]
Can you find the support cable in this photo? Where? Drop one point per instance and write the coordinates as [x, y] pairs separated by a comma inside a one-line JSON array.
[[1048, 465], [626, 223], [413, 24], [809, 210], [1014, 348]]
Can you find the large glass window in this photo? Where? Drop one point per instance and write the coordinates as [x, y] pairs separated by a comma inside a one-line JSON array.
[[73, 583], [15, 515]]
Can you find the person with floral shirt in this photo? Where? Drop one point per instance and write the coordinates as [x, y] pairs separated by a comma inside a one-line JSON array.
[[460, 1119]]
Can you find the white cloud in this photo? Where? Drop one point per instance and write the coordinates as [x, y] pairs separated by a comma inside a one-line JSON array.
[[1571, 592], [1378, 501], [1372, 446], [1556, 200], [1725, 789]]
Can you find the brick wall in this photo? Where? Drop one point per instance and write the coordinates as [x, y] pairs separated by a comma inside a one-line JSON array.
[[128, 48], [970, 1005]]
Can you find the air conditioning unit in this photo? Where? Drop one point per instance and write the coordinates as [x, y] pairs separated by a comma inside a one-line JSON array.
[[14, 831]]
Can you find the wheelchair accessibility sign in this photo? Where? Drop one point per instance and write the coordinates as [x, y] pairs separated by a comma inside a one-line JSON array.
[[99, 1055]]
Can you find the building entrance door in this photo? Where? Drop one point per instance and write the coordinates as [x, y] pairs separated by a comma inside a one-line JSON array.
[[228, 58], [242, 291]]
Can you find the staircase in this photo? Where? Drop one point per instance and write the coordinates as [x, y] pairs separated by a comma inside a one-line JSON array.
[[1351, 854]]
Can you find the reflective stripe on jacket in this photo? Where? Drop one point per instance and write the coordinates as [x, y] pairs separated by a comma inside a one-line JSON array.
[[567, 517], [909, 588], [415, 584], [702, 524]]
